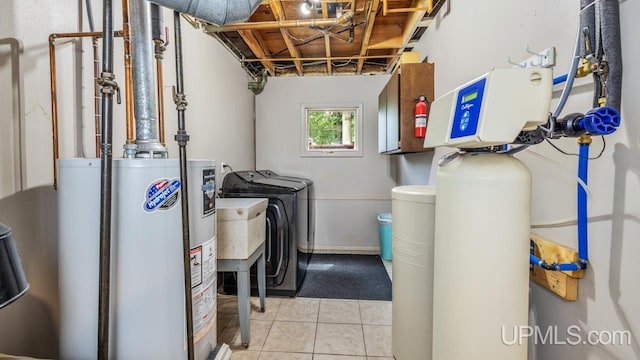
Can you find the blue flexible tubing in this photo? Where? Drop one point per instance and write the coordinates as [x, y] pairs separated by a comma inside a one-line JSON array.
[[583, 166], [560, 79]]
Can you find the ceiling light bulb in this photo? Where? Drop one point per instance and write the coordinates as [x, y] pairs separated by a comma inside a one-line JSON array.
[[305, 8]]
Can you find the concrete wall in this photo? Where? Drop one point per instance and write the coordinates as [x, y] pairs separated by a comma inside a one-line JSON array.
[[349, 191], [468, 39], [220, 120]]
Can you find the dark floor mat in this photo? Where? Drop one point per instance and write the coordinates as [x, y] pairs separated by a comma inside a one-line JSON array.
[[361, 277]]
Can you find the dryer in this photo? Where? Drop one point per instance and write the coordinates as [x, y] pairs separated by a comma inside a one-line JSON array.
[[289, 221]]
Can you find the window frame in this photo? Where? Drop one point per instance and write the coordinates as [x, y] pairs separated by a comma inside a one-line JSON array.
[[357, 150]]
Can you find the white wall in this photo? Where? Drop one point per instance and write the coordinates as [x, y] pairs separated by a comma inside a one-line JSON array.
[[220, 120], [468, 39], [349, 191]]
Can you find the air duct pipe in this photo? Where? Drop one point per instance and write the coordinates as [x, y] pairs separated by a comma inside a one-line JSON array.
[[147, 143], [217, 12]]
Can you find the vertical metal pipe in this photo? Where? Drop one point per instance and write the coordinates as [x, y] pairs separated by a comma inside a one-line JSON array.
[[108, 88], [160, 100], [146, 124], [96, 94], [128, 87], [182, 138], [160, 44]]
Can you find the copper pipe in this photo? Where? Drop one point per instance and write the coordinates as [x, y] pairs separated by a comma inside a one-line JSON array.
[[160, 101], [82, 35], [54, 106], [128, 72], [96, 94], [54, 90]]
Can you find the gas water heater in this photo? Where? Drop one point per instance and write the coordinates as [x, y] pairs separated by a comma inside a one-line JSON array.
[[147, 286], [481, 267]]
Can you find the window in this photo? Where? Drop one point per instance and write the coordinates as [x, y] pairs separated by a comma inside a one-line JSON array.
[[332, 130]]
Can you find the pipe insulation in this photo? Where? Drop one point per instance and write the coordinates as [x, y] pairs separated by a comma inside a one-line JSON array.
[[588, 26], [610, 27], [144, 100], [217, 12], [157, 24], [588, 43]]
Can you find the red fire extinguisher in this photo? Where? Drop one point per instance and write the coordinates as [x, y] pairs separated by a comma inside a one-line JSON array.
[[421, 117]]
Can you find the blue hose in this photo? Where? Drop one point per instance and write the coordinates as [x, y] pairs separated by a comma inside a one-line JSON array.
[[534, 260], [583, 166], [560, 79]]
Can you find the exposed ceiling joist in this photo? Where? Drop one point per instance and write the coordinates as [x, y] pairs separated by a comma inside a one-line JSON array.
[[278, 12], [327, 40], [393, 43], [410, 27], [296, 37], [370, 19], [264, 25], [250, 39]]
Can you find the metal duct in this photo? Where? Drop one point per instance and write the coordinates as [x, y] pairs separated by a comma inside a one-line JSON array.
[[217, 12], [144, 100]]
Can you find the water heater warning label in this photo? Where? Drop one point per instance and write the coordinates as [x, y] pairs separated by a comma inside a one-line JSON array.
[[162, 195], [203, 286]]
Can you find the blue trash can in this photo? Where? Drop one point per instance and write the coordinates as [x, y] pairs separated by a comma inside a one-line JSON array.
[[385, 229]]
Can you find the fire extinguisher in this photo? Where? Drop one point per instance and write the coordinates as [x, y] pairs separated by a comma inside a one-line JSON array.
[[421, 117]]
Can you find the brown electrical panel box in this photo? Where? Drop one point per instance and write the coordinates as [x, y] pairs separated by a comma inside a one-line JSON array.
[[396, 108]]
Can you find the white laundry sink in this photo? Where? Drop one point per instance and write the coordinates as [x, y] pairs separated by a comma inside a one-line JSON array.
[[241, 226]]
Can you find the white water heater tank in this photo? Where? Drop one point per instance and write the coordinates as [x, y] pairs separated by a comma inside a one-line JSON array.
[[481, 267], [147, 313]]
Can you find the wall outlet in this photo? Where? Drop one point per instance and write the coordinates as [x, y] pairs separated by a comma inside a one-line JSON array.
[[222, 167]]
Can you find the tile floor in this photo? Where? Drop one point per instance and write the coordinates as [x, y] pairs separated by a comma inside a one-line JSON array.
[[309, 329]]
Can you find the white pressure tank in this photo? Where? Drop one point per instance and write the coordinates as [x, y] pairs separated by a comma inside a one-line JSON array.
[[481, 267], [147, 319], [413, 211]]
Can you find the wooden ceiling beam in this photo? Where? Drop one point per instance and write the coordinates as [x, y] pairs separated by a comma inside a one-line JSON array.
[[278, 11], [410, 27], [392, 43], [327, 40], [324, 58], [250, 39], [263, 25], [366, 37]]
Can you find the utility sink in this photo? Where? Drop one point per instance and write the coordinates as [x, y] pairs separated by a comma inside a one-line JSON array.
[[241, 226]]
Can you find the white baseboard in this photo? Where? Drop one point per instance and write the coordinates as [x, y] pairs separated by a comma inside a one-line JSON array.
[[364, 250]]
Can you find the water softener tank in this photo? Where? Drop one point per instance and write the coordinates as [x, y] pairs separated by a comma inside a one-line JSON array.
[[413, 209], [147, 318], [481, 268]]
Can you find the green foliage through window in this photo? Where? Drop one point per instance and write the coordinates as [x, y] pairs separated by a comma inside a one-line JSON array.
[[331, 129]]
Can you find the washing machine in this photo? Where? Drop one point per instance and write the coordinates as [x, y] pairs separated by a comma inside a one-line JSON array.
[[289, 225]]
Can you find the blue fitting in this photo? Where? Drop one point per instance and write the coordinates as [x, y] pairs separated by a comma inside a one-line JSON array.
[[568, 267], [601, 121]]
